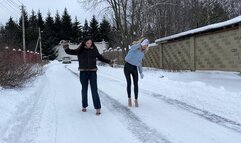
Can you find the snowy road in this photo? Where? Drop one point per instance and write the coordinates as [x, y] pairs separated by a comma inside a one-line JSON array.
[[53, 114], [202, 113]]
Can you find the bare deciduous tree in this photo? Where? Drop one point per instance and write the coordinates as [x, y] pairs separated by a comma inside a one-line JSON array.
[[158, 18]]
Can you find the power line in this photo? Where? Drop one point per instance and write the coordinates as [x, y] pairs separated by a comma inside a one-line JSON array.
[[6, 4], [13, 3], [17, 15], [20, 2], [13, 7]]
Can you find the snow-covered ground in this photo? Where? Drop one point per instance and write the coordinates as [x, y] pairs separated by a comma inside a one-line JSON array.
[[187, 107]]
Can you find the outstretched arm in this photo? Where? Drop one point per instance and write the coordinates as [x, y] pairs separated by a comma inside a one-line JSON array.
[[70, 51], [101, 58]]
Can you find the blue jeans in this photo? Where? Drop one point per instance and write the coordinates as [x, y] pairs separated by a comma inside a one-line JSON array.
[[87, 77]]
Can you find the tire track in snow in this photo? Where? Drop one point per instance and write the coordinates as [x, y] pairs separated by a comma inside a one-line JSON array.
[[227, 123], [26, 110], [25, 126], [135, 125], [202, 113], [41, 126], [144, 133]]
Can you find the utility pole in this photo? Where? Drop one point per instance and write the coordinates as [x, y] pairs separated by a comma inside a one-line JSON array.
[[23, 28], [40, 44]]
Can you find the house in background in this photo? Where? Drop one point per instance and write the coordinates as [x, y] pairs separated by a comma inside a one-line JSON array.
[[61, 53]]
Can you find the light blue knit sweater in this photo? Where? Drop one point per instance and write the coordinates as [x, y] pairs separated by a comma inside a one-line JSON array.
[[135, 56]]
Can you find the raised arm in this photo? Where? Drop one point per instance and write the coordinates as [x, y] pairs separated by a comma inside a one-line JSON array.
[[70, 51], [135, 47]]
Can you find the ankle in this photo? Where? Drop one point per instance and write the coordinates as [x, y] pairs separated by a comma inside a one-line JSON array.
[[84, 109], [129, 102], [98, 112], [136, 103]]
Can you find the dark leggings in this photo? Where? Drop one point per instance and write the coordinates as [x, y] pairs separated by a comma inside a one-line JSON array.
[[131, 70]]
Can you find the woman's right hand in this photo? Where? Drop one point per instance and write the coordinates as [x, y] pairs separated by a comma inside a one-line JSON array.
[[65, 44], [111, 63]]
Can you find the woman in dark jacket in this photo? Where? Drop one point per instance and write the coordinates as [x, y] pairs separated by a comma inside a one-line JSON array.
[[87, 53]]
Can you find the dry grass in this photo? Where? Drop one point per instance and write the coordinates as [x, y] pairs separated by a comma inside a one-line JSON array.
[[14, 72]]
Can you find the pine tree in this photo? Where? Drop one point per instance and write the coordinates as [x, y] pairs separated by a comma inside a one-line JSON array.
[[105, 29], [32, 32], [66, 26], [10, 37], [94, 30], [77, 33], [86, 30], [116, 37], [40, 21], [2, 34], [57, 26], [49, 39], [33, 21]]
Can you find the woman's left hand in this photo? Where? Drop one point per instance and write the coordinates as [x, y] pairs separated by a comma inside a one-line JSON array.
[[111, 63], [142, 75]]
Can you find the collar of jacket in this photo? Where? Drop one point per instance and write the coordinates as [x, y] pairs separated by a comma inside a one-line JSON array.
[[89, 48], [95, 69]]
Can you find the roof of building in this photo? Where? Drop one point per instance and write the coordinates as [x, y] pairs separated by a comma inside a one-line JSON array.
[[152, 45], [207, 28]]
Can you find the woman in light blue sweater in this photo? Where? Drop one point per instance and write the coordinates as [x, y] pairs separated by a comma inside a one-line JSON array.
[[133, 62]]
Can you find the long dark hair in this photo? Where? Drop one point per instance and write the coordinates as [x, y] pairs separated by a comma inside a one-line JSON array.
[[85, 40]]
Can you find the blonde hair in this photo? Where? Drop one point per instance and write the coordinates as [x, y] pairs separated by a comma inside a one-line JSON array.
[[138, 40], [146, 49]]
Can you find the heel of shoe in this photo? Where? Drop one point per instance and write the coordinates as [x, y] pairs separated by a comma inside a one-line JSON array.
[[136, 103], [129, 102], [84, 109], [98, 112]]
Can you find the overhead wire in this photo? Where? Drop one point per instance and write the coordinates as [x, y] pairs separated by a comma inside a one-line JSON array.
[[14, 3], [20, 2], [12, 12], [12, 6]]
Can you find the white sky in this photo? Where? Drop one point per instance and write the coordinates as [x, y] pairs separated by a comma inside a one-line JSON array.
[[73, 7]]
